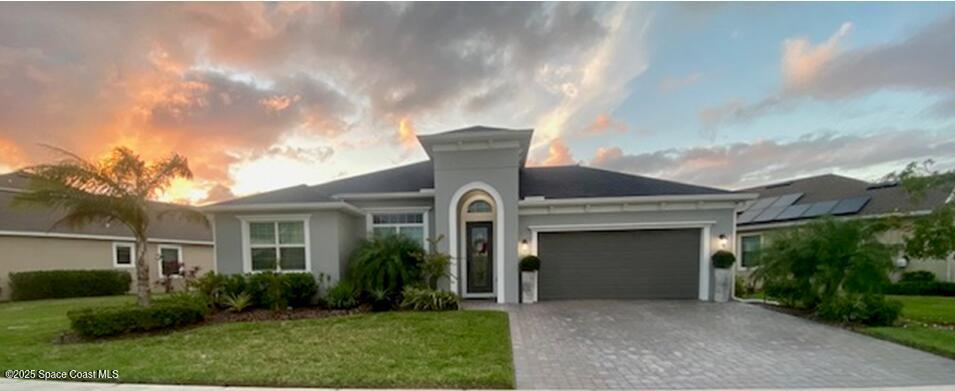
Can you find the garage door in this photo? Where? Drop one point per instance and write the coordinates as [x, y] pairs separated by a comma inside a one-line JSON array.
[[642, 264]]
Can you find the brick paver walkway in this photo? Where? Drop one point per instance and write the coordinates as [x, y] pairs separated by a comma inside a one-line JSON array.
[[689, 344]]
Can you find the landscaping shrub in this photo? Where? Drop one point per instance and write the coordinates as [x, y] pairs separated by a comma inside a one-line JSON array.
[[425, 299], [837, 268], [934, 288], [434, 263], [343, 295], [918, 276], [267, 290], [380, 300], [237, 303], [870, 310], [530, 263], [165, 313], [299, 289], [723, 259], [386, 262], [56, 284], [211, 287]]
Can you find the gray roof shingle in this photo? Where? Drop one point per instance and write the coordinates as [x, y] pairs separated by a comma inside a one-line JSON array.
[[584, 182], [36, 219]]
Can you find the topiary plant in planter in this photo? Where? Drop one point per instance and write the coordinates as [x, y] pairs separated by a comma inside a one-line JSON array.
[[722, 260], [530, 263]]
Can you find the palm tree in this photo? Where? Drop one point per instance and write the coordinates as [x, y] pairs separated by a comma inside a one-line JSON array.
[[116, 188]]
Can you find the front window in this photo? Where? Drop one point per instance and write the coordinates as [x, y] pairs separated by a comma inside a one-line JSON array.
[[411, 225], [277, 245], [751, 247], [123, 254], [170, 261]]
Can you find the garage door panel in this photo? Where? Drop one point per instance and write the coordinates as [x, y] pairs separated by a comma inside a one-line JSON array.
[[619, 264]]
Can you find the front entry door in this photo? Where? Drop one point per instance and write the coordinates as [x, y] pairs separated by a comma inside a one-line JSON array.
[[480, 250]]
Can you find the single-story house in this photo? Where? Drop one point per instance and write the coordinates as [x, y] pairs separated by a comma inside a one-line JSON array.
[[600, 234], [29, 242], [796, 202]]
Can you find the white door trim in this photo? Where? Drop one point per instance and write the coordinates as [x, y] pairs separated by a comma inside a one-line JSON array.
[[703, 226], [453, 242]]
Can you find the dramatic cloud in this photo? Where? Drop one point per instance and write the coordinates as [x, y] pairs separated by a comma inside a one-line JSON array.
[[226, 83], [558, 154], [922, 62], [603, 124], [745, 164]]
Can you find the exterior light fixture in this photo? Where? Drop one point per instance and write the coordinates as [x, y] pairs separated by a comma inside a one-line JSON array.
[[723, 241], [525, 247]]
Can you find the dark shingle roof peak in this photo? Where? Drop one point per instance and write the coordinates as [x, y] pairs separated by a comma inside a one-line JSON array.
[[575, 181]]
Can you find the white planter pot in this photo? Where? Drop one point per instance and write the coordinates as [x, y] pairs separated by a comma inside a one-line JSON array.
[[721, 292], [529, 287]]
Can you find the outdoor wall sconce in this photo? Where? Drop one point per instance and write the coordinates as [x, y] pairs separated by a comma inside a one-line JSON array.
[[723, 241], [525, 247]]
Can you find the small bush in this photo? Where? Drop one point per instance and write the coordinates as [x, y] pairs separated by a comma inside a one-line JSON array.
[[58, 284], [530, 263], [299, 289], [166, 313], [211, 287], [918, 276], [870, 310], [343, 296], [386, 262], [267, 290], [723, 259], [237, 303], [381, 300], [934, 288], [424, 299]]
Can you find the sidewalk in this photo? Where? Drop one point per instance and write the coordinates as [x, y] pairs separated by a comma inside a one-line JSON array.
[[37, 385]]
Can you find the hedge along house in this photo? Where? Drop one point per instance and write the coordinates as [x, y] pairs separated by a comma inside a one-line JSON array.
[[794, 203], [29, 241], [600, 234]]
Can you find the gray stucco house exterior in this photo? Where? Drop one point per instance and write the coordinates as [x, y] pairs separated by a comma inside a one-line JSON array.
[[600, 234]]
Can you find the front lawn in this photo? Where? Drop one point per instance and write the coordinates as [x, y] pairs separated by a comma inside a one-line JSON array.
[[462, 349], [928, 323]]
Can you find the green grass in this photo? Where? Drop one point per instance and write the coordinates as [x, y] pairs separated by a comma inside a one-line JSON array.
[[462, 349], [939, 341], [926, 324], [928, 309]]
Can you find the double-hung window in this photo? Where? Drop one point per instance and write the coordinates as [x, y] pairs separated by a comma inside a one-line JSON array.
[[123, 254], [170, 261], [750, 247], [277, 245], [411, 225]]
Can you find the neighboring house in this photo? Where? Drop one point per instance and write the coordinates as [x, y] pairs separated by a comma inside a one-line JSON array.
[[600, 234], [793, 203], [29, 241]]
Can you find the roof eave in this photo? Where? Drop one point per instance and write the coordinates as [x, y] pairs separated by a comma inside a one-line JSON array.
[[536, 201], [334, 205]]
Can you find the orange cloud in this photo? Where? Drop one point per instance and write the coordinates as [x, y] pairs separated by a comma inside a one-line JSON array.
[[603, 124], [558, 154], [407, 135], [802, 62]]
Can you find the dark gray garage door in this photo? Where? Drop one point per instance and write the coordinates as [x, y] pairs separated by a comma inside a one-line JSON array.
[[642, 264]]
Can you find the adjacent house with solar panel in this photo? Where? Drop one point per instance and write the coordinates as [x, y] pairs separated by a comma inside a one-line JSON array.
[[792, 203]]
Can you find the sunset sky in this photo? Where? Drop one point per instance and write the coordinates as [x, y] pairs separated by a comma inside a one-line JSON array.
[[263, 96]]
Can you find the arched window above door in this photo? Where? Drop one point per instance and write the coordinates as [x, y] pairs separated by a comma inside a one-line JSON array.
[[479, 206]]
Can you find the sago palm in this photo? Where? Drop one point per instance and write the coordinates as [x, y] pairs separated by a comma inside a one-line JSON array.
[[117, 188]]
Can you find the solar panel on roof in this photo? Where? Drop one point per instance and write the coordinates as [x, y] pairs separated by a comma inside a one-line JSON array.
[[747, 205], [769, 214], [793, 212], [763, 203], [748, 216], [819, 209], [788, 199], [849, 205]]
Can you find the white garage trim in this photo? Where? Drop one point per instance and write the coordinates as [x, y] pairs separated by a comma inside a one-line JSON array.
[[703, 226]]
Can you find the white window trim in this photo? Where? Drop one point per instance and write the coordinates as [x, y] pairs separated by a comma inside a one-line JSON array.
[[132, 254], [182, 262], [247, 247], [423, 210], [739, 249]]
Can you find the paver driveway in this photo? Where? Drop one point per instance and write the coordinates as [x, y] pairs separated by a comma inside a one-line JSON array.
[[689, 344]]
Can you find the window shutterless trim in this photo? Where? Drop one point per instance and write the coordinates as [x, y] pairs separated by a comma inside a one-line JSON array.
[[132, 254], [742, 253], [182, 262], [247, 246]]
